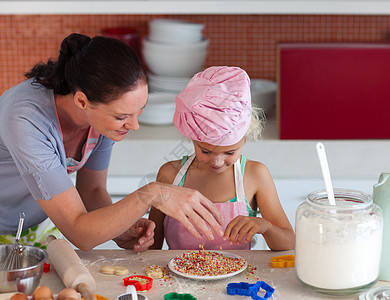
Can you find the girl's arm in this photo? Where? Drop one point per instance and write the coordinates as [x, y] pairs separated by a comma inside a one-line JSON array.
[[274, 224]]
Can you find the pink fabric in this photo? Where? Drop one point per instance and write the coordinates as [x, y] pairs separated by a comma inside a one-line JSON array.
[[215, 106], [179, 238], [93, 137]]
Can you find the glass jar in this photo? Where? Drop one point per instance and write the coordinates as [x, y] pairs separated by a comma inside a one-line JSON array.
[[338, 247], [376, 293]]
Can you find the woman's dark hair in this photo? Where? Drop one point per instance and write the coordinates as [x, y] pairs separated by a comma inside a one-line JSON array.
[[102, 68]]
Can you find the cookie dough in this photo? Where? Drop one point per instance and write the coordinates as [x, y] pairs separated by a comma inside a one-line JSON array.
[[114, 270], [121, 271], [154, 271]]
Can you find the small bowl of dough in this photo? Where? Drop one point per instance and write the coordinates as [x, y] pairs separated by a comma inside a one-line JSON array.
[[25, 279]]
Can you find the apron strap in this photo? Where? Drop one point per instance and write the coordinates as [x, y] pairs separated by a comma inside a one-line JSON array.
[[239, 181], [183, 170]]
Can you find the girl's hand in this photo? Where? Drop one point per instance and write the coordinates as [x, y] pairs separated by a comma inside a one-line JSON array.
[[186, 205], [138, 237], [243, 225]]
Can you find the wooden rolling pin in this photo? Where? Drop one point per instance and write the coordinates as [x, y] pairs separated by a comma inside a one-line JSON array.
[[70, 268]]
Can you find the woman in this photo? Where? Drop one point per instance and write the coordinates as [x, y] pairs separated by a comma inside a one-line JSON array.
[[65, 118]]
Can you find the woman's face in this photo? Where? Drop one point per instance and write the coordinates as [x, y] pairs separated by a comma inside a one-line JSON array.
[[218, 158], [115, 119]]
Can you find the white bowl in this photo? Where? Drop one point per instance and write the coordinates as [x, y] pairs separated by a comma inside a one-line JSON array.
[[263, 93], [175, 31], [159, 109], [167, 84], [167, 47], [181, 60]]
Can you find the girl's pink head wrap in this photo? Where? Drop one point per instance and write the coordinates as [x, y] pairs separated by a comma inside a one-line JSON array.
[[215, 106]]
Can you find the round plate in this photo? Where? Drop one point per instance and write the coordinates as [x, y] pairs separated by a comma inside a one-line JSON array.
[[171, 266]]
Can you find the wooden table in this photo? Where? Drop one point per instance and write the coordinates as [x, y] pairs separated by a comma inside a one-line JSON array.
[[283, 280]]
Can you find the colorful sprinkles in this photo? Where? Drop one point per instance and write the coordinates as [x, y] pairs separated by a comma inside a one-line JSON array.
[[207, 263], [250, 272]]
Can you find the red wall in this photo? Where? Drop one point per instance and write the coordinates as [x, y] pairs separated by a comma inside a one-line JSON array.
[[248, 41]]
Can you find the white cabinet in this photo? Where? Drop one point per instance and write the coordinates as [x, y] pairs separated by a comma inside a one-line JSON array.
[[376, 7]]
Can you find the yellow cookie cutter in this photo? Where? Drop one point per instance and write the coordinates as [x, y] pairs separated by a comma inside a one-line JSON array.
[[283, 261]]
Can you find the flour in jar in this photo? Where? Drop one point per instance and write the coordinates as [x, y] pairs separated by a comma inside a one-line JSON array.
[[344, 255]]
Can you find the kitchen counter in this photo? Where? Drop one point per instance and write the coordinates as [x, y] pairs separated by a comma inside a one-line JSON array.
[[110, 286]]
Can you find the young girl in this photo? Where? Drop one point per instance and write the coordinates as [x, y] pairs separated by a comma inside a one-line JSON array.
[[214, 111]]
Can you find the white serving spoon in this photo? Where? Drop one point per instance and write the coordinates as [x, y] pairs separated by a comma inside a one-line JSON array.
[[325, 172]]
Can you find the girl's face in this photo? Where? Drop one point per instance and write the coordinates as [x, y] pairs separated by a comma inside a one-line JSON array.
[[115, 119], [218, 158]]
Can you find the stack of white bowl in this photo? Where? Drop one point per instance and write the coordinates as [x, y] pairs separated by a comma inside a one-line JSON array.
[[174, 51], [174, 48], [167, 84]]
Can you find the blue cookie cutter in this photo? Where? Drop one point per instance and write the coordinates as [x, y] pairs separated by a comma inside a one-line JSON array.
[[247, 289]]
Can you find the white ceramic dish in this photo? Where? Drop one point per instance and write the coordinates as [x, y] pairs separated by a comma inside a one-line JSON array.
[[175, 31], [263, 93], [159, 109], [182, 60], [167, 84], [187, 47], [171, 266]]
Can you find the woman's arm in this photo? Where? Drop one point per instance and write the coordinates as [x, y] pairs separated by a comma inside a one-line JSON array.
[[89, 229], [91, 186]]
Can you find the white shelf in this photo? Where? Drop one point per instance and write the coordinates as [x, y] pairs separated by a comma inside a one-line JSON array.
[[349, 7]]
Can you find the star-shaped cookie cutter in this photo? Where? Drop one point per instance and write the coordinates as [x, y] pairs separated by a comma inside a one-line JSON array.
[[283, 261], [248, 289]]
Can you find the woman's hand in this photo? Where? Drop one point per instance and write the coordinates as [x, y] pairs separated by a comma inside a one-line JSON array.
[[242, 226], [138, 237], [188, 206]]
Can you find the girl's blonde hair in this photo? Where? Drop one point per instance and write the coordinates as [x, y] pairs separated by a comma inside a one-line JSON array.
[[256, 127]]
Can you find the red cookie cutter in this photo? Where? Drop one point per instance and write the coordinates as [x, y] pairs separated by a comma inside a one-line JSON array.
[[46, 267], [283, 261], [132, 280]]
